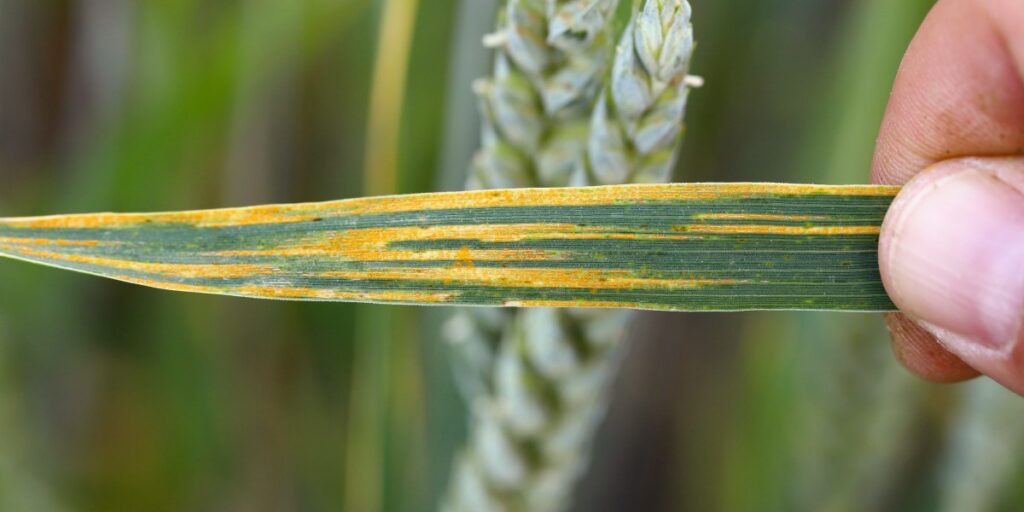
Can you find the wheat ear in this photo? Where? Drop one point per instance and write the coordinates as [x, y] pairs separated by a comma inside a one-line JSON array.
[[551, 60], [537, 377], [637, 123]]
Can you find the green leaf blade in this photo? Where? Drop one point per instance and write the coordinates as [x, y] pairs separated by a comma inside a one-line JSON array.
[[679, 247]]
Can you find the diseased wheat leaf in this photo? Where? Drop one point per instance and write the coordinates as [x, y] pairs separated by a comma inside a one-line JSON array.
[[684, 247]]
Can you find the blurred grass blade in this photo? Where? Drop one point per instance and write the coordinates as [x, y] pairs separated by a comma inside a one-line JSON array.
[[721, 247]]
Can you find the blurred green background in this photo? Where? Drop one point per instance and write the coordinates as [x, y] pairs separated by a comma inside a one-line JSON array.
[[115, 397]]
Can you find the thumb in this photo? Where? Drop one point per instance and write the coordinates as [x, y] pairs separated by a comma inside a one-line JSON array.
[[952, 258]]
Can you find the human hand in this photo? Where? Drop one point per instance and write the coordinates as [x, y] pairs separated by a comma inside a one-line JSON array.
[[952, 246]]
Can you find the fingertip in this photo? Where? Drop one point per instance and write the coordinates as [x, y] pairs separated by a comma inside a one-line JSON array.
[[950, 255], [920, 353], [1005, 366], [951, 244]]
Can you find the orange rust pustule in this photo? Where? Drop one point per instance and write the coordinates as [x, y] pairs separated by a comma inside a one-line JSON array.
[[764, 229], [554, 278], [183, 270], [583, 196]]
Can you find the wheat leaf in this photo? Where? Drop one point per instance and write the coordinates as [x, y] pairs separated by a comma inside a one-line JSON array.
[[683, 247]]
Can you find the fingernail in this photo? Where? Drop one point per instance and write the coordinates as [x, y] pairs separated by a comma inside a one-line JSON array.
[[952, 253]]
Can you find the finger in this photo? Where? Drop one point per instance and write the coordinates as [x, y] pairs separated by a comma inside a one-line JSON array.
[[952, 258], [917, 349], [959, 92]]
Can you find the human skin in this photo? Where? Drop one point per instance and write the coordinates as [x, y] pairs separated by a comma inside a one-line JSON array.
[[952, 245]]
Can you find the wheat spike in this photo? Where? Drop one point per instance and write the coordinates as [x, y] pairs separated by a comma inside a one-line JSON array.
[[535, 378], [551, 59], [636, 126]]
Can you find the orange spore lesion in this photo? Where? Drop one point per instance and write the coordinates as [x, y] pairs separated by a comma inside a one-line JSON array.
[[375, 244], [760, 229], [760, 216], [52, 241], [227, 217], [379, 244], [273, 292], [464, 258], [568, 304], [583, 196], [596, 196], [164, 285], [182, 270], [555, 278]]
